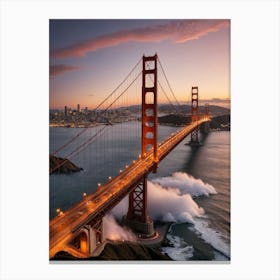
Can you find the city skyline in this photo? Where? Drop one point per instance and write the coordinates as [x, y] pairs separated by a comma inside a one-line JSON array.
[[88, 58]]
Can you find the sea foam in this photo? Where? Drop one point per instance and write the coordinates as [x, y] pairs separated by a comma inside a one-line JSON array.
[[180, 250], [170, 199]]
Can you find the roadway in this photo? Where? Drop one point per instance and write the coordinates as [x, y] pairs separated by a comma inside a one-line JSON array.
[[93, 207]]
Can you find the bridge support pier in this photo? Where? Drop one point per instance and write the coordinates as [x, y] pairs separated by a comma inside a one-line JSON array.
[[89, 238], [137, 217], [194, 137], [205, 128]]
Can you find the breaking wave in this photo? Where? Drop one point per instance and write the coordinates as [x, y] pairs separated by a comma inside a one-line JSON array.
[[185, 183], [213, 237], [170, 199], [180, 250], [113, 231]]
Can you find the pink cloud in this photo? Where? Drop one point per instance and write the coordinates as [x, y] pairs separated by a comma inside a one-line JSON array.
[[60, 69], [179, 31]]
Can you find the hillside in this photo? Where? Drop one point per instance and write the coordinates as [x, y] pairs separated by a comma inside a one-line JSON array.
[[174, 119], [66, 165], [221, 122]]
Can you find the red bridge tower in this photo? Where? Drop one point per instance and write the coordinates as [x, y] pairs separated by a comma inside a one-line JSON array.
[[195, 117], [137, 217]]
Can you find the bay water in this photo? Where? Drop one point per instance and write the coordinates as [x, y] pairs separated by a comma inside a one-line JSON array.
[[208, 236]]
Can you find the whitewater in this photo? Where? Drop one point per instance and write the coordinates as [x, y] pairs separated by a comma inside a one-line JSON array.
[[171, 199]]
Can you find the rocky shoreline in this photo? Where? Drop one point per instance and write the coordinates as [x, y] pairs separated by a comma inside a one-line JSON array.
[[142, 250], [62, 165], [150, 249]]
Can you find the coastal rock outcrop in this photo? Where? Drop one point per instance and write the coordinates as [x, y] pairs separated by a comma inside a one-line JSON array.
[[62, 165], [120, 251]]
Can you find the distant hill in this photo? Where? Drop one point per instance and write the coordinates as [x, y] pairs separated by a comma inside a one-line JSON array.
[[221, 122], [174, 119], [186, 109], [166, 109], [179, 109]]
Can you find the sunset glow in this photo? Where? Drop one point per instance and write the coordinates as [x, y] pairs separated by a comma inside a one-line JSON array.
[[88, 58]]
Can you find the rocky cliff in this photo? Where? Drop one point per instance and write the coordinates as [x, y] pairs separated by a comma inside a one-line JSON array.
[[62, 165]]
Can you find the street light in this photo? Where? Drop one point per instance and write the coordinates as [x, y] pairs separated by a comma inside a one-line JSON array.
[[84, 194]]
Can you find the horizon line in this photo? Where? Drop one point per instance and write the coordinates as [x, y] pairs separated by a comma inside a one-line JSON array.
[[214, 103]]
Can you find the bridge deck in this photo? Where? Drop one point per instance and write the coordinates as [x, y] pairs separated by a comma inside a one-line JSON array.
[[65, 227]]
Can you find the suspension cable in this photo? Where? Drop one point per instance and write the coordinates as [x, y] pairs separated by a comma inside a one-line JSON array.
[[95, 136], [167, 97], [79, 149], [165, 94], [168, 83], [98, 106], [108, 107]]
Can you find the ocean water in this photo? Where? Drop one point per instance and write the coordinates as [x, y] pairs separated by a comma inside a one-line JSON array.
[[196, 198], [111, 152], [211, 163]]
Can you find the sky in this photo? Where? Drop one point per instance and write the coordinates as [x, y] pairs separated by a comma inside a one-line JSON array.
[[89, 58]]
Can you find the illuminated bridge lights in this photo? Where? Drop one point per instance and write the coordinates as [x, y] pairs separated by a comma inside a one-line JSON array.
[[63, 226], [59, 212]]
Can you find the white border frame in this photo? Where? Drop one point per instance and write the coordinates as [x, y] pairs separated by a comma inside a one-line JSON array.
[[255, 138]]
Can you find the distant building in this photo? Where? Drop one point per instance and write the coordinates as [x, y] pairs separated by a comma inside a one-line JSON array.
[[65, 111], [78, 108]]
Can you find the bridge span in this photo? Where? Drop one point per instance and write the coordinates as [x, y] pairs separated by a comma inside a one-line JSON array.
[[79, 230], [85, 216]]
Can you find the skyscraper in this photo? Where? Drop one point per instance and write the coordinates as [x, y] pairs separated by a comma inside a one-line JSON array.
[[78, 108]]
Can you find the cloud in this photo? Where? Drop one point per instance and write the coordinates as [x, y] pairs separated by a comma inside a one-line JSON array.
[[60, 69], [179, 31]]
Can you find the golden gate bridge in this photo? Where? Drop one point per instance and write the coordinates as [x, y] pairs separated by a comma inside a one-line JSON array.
[[79, 230]]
